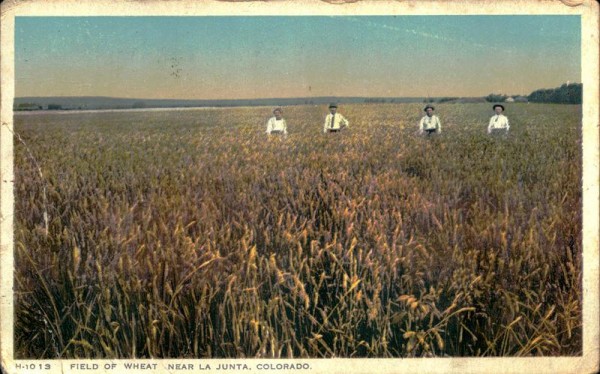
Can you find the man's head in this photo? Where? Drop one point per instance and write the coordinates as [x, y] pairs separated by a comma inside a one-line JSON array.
[[498, 108], [332, 108], [277, 112], [429, 110]]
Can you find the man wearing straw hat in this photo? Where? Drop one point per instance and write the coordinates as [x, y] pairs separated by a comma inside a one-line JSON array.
[[430, 123], [334, 121], [498, 122], [277, 125]]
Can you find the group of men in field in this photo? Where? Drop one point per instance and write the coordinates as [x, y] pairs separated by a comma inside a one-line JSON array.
[[429, 124]]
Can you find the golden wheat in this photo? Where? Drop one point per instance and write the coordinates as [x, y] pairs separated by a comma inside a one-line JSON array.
[[190, 234]]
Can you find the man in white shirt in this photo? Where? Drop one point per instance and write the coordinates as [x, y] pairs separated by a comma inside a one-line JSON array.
[[277, 125], [430, 123], [334, 121], [498, 122]]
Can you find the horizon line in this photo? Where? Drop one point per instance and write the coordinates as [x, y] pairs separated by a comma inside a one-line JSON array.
[[265, 98]]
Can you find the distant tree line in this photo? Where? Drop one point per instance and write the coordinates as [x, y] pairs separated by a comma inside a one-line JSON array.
[[565, 94], [496, 98], [381, 100], [28, 106], [446, 99], [375, 100], [34, 106], [440, 99]]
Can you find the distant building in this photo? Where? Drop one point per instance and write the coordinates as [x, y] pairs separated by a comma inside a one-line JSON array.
[[510, 100], [521, 99]]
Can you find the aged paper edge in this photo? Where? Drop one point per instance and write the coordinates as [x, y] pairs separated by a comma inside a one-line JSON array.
[[588, 10]]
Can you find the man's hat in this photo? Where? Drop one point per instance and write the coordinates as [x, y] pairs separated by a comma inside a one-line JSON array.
[[278, 109], [427, 107], [500, 105], [333, 105]]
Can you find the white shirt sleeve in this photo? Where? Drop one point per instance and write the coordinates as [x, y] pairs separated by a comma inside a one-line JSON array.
[[269, 125], [327, 120], [507, 124], [344, 121], [491, 124], [421, 125], [284, 127], [439, 124]]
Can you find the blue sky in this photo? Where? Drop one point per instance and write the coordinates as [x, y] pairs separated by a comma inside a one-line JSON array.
[[283, 56]]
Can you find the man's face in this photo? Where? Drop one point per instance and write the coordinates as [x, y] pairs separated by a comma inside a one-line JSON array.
[[498, 110], [333, 110], [429, 112], [277, 114]]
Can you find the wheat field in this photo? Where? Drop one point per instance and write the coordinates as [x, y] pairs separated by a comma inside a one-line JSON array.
[[180, 234]]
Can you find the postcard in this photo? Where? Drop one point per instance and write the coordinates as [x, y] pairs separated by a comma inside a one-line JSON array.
[[311, 187]]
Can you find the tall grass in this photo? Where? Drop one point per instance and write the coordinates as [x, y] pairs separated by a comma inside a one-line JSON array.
[[189, 234]]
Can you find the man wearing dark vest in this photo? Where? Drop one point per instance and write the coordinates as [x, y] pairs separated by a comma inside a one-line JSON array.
[[334, 121]]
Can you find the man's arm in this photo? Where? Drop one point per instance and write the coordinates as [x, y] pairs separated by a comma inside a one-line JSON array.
[[269, 125], [490, 125], [345, 122], [325, 124], [439, 124]]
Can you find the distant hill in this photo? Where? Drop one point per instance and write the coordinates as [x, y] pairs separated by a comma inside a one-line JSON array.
[[567, 94], [101, 102]]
